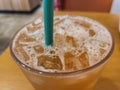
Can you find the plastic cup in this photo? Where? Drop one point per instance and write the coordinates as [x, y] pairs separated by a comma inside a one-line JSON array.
[[83, 79]]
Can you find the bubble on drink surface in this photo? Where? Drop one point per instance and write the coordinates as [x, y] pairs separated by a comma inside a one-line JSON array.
[[79, 42]]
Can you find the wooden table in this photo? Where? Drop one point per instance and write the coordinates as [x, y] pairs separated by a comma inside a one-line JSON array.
[[11, 77]]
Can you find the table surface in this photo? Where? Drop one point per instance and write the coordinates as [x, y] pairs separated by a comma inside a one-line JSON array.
[[11, 77]]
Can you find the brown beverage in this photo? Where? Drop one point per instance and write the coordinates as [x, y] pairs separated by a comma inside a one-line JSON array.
[[81, 48]]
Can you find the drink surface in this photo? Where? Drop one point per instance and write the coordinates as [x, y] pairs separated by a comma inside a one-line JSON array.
[[79, 43]]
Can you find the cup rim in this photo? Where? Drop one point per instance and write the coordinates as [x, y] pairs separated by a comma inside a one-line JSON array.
[[28, 68]]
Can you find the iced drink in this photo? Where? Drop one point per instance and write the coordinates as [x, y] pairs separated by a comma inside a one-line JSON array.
[[81, 48]]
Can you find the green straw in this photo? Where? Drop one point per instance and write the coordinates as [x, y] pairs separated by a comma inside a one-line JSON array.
[[48, 21]]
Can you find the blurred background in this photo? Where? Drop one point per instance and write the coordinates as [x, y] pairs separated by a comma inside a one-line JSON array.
[[16, 13]]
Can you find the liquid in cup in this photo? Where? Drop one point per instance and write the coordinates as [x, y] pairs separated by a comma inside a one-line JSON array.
[[81, 48]]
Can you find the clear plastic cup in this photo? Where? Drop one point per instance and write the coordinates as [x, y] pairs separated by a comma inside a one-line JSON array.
[[83, 79]]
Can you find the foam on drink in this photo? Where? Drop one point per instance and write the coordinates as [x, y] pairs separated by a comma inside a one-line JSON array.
[[79, 43]]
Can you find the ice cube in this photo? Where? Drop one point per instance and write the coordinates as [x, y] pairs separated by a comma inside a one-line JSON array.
[[38, 49], [58, 21], [58, 38], [38, 24], [70, 41], [35, 27], [103, 44], [91, 33], [21, 51], [25, 38], [84, 24], [84, 59], [72, 63], [48, 62], [102, 51]]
